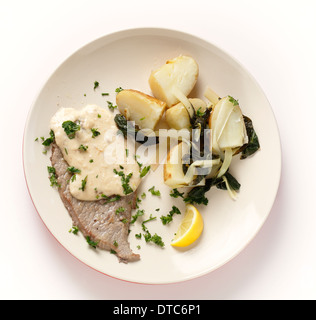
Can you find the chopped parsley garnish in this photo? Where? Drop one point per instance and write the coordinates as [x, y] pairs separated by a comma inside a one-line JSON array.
[[110, 199], [124, 220], [143, 195], [96, 84], [143, 118], [119, 210], [154, 192], [144, 171], [150, 219], [125, 181], [111, 105], [74, 230], [91, 243], [139, 213], [91, 160], [53, 177], [155, 239], [95, 132], [49, 140], [71, 128], [126, 150], [104, 93], [138, 235], [99, 116], [83, 183], [119, 89], [115, 244], [73, 170], [148, 237], [83, 148], [175, 193], [233, 101], [113, 251], [168, 218], [200, 113]]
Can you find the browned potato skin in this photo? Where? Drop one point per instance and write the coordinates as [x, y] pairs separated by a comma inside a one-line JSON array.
[[158, 104], [166, 175]]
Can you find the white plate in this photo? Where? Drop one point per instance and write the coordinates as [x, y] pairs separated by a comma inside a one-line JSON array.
[[126, 59]]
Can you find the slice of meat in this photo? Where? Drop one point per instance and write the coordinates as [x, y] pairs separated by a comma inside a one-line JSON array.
[[100, 219]]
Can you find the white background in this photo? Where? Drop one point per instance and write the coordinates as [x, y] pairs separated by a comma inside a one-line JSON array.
[[275, 40]]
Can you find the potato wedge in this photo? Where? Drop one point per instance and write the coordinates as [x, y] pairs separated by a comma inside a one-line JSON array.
[[181, 72], [137, 106], [177, 117]]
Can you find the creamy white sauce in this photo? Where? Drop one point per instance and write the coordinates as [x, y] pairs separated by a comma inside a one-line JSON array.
[[105, 153]]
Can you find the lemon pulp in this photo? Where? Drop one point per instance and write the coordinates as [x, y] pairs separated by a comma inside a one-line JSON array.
[[190, 228]]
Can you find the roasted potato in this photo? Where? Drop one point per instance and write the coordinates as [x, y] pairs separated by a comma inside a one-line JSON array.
[[137, 106], [177, 117], [181, 73]]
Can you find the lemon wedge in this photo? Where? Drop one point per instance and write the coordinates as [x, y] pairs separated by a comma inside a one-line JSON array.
[[190, 228]]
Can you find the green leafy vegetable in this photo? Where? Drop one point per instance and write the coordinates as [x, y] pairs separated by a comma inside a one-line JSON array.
[[128, 129], [253, 144], [233, 183], [197, 194]]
